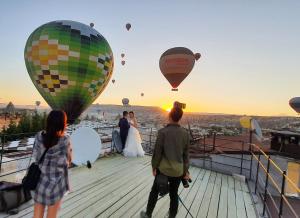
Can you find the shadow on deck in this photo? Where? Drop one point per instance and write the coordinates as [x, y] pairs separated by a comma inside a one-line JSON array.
[[119, 187]]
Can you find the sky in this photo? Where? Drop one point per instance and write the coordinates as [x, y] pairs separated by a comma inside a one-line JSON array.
[[250, 51]]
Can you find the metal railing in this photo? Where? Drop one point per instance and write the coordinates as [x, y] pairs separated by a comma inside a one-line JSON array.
[[272, 187], [219, 147], [25, 155], [257, 166]]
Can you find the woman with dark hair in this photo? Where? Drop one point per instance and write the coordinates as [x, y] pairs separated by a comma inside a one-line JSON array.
[[54, 183], [133, 146]]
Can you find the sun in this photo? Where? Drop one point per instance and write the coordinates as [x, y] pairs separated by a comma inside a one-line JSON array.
[[167, 107]]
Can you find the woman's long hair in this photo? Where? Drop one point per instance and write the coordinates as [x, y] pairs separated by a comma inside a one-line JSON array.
[[55, 127]]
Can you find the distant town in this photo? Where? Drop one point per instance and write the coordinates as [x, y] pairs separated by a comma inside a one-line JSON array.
[[155, 117]]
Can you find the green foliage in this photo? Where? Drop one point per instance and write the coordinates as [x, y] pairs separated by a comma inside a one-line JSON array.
[[29, 124]]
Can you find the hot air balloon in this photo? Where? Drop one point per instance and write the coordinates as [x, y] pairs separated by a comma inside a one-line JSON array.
[[37, 103], [176, 64], [91, 24], [122, 55], [128, 26], [125, 101], [295, 104], [123, 63], [245, 122], [70, 64], [142, 94], [197, 56], [113, 81]]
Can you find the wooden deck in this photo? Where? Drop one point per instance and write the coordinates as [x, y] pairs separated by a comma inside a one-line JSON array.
[[119, 187]]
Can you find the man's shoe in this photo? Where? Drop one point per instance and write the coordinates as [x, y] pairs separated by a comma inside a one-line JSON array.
[[143, 214]]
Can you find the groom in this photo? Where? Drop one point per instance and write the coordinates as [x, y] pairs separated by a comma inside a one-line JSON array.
[[124, 127]]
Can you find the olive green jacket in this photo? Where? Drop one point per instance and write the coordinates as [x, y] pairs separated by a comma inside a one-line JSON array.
[[171, 151]]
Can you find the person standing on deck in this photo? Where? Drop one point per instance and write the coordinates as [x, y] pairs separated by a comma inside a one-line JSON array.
[[124, 128], [171, 158], [54, 182]]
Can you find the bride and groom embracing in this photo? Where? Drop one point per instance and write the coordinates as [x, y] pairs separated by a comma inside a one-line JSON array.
[[130, 136]]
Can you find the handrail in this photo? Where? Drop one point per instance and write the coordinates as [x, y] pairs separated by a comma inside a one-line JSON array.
[[269, 187], [277, 167]]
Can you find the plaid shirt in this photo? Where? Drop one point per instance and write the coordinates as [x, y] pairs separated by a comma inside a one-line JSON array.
[[54, 182]]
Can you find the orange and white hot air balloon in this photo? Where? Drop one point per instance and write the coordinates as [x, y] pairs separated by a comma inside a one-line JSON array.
[[176, 64]]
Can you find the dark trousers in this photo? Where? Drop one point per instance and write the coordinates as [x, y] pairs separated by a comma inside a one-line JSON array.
[[174, 183], [123, 140]]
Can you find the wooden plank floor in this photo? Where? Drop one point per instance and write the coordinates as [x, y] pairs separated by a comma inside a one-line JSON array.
[[119, 187]]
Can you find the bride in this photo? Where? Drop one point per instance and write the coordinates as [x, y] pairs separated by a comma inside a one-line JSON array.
[[133, 146]]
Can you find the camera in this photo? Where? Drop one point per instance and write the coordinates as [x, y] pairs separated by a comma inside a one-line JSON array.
[[179, 105], [185, 182]]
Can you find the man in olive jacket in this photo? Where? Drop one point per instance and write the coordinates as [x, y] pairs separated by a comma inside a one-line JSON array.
[[171, 158]]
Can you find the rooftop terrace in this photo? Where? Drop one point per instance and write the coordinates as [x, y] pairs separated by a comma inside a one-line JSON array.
[[119, 187]]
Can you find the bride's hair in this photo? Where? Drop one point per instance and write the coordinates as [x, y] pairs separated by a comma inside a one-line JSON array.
[[131, 112]]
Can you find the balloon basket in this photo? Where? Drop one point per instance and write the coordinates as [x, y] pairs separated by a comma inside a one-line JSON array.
[[174, 90]]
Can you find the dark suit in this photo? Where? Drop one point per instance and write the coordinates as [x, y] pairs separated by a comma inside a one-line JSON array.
[[124, 127]]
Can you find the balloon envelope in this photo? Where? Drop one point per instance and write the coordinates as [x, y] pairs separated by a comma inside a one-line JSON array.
[[176, 64], [122, 55], [245, 122], [128, 26], [142, 94], [113, 81], [295, 104], [125, 101], [37, 103], [70, 64], [123, 63]]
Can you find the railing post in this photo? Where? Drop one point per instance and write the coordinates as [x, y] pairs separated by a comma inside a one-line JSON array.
[[266, 185], [204, 140], [257, 171], [111, 144], [242, 160], [214, 141], [2, 141], [150, 139], [250, 149], [282, 194]]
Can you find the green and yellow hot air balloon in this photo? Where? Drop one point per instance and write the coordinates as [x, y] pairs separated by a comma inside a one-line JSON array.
[[70, 64]]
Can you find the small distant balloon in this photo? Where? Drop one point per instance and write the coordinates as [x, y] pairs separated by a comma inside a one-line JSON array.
[[113, 81], [122, 55], [37, 103], [125, 101], [295, 104], [128, 26], [92, 25], [123, 63], [197, 56], [142, 94]]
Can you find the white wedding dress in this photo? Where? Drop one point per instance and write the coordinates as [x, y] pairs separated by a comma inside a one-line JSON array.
[[133, 146]]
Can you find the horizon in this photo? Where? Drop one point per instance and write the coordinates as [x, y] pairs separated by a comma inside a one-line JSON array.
[[249, 52], [46, 107]]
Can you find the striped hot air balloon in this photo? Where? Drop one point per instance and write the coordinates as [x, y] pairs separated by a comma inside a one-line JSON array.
[[176, 64]]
